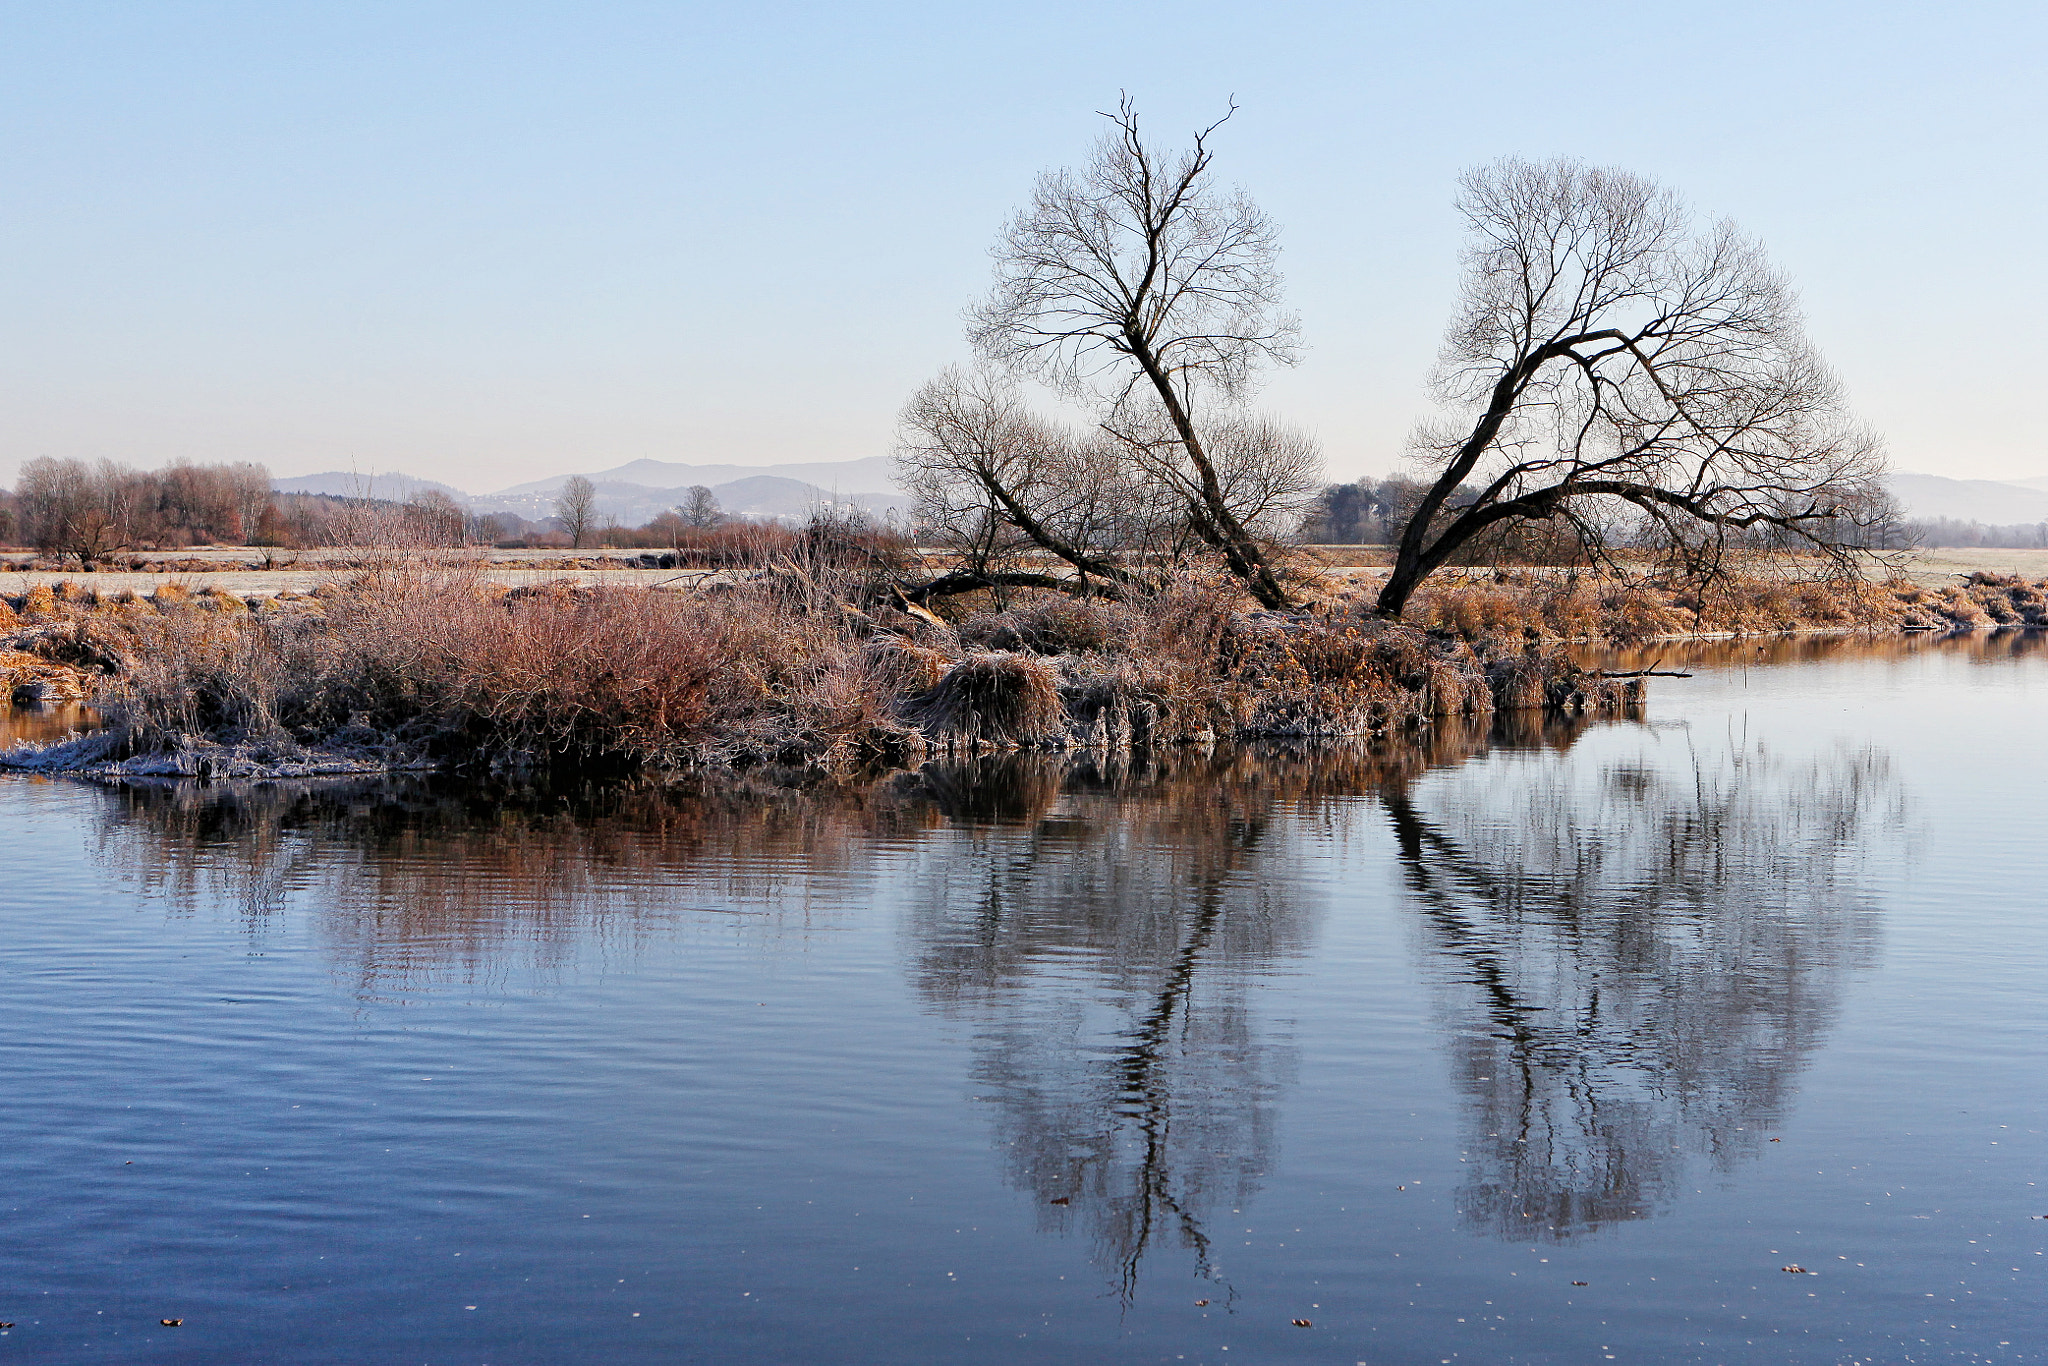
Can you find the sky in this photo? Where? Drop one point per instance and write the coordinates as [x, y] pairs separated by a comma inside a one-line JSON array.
[[488, 243]]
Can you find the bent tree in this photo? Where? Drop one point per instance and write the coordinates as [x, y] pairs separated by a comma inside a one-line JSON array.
[[998, 487], [1139, 288], [1636, 377]]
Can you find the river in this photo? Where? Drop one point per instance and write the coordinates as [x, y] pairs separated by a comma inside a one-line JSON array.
[[1710, 1034]]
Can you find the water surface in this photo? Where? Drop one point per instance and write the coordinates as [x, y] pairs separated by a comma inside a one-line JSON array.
[[1551, 1043]]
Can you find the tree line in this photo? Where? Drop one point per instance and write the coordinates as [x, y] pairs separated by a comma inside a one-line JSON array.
[[90, 510]]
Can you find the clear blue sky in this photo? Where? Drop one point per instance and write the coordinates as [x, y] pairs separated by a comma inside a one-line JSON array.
[[490, 242]]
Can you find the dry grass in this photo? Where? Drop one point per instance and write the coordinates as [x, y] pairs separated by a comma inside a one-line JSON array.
[[1513, 605], [412, 661], [994, 700]]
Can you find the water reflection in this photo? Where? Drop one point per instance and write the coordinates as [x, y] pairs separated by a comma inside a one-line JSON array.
[[1635, 945], [1635, 958], [420, 883], [40, 725], [1103, 935], [1101, 938]]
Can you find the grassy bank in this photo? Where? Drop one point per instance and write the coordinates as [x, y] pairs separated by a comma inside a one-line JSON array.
[[419, 665], [1554, 605]]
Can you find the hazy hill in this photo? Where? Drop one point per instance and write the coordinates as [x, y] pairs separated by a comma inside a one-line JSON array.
[[642, 489], [845, 476], [633, 493], [394, 486], [1993, 502]]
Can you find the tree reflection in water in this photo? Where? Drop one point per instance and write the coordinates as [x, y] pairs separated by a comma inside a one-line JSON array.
[[1636, 946], [424, 884], [1103, 937], [1635, 956]]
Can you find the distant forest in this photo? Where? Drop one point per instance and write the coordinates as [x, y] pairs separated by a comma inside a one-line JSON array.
[[90, 510]]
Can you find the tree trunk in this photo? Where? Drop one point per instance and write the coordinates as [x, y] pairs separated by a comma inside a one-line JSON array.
[[1217, 524]]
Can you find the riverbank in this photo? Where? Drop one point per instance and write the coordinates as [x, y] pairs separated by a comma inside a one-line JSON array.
[[1583, 607], [415, 665], [423, 665]]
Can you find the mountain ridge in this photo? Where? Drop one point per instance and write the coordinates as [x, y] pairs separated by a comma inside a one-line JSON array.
[[1993, 502]]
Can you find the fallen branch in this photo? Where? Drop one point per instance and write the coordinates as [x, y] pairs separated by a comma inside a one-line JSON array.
[[967, 581]]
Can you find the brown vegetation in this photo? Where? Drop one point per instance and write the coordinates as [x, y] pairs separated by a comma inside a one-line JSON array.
[[1558, 605], [809, 661]]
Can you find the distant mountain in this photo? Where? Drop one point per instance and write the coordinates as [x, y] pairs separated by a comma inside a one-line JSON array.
[[347, 484], [871, 475], [768, 495], [1991, 501], [634, 493], [2041, 483], [762, 496]]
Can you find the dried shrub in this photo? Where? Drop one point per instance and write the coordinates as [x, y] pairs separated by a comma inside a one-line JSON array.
[[899, 669], [1052, 624], [993, 700], [86, 644]]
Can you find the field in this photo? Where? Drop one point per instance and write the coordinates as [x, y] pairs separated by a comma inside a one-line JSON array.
[[254, 572]]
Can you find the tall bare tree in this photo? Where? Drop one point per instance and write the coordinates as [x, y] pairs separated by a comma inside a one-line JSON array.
[[1138, 285], [1635, 376], [576, 506], [700, 507]]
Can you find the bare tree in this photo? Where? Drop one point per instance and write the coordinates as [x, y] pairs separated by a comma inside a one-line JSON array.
[[994, 484], [1640, 379], [483, 528], [1140, 287], [440, 520], [700, 507], [576, 506], [69, 507]]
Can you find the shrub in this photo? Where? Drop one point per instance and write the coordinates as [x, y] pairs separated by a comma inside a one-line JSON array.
[[1053, 624], [997, 700]]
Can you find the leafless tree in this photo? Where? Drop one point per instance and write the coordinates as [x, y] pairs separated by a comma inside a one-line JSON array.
[[440, 520], [996, 485], [1637, 377], [576, 506], [700, 507], [70, 507], [483, 528], [1140, 287]]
